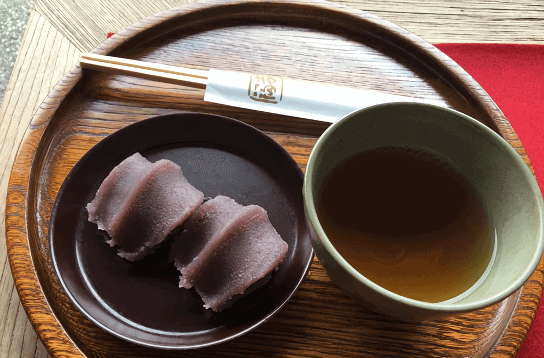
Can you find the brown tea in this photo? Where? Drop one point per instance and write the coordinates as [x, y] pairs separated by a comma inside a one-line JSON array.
[[408, 221]]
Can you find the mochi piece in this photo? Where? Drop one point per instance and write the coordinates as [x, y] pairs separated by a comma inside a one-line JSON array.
[[140, 203], [224, 249], [203, 231], [111, 195], [248, 254]]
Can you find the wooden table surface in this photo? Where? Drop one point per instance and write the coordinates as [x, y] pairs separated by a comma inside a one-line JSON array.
[[59, 30]]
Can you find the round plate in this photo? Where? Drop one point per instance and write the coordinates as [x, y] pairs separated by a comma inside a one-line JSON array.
[[141, 301]]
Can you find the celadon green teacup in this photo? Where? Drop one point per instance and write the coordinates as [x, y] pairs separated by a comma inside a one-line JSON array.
[[506, 187]]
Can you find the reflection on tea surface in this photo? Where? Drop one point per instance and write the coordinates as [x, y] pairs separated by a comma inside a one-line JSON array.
[[408, 221]]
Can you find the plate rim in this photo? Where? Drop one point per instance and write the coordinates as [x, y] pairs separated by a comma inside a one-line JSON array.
[[120, 133]]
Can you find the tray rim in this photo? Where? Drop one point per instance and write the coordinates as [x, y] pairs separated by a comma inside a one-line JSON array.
[[21, 262]]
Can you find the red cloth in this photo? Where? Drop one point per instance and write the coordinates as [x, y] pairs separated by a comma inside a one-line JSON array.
[[513, 75]]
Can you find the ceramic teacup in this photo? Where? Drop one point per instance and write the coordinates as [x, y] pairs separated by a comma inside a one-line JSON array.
[[504, 183]]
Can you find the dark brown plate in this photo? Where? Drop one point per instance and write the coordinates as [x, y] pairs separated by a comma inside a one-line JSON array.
[[141, 301]]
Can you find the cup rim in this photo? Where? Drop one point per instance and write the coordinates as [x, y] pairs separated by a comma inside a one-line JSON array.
[[311, 215]]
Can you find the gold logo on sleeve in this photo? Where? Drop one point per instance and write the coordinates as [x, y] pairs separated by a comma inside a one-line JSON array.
[[268, 89]]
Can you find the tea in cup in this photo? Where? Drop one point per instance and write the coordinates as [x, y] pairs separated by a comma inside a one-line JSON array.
[[420, 211]]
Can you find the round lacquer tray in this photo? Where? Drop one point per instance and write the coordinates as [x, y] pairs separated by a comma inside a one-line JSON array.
[[316, 41]]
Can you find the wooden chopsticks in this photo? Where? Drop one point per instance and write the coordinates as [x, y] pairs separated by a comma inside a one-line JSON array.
[[150, 71]]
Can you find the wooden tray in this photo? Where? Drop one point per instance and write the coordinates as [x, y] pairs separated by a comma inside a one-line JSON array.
[[315, 41]]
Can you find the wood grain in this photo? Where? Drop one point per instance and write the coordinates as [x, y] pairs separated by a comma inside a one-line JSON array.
[[32, 79], [86, 23], [83, 109]]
